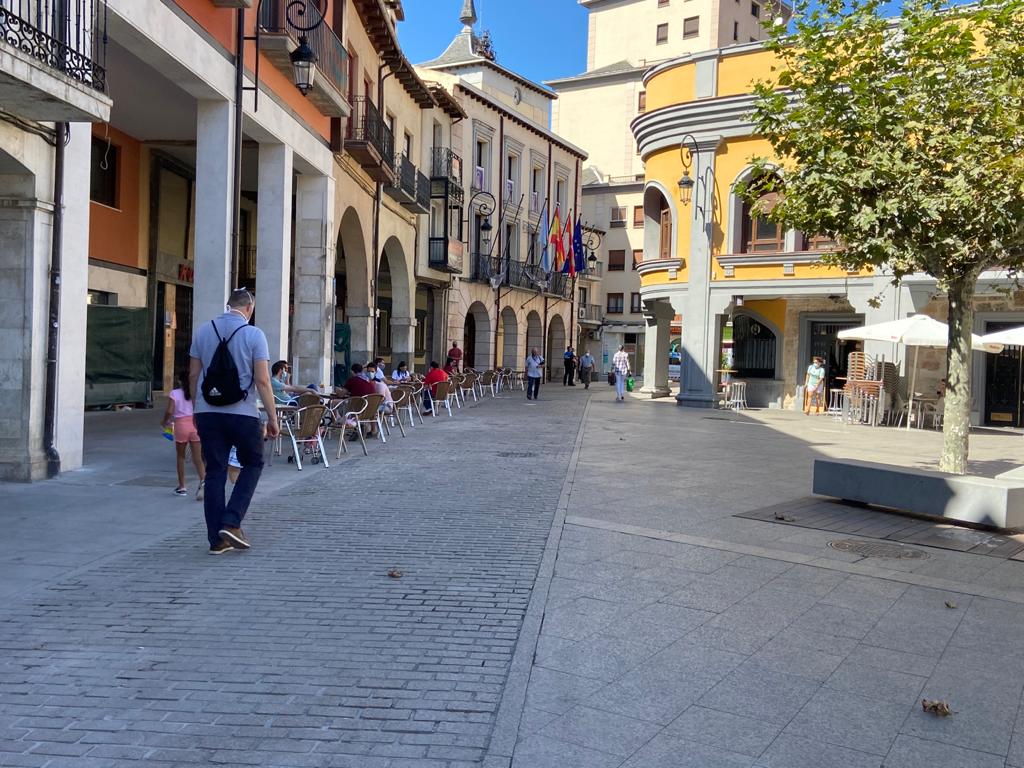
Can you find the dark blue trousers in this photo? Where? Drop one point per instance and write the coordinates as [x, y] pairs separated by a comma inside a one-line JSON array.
[[218, 433]]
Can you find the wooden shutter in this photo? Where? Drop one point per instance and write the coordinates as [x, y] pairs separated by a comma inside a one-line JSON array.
[[666, 234]]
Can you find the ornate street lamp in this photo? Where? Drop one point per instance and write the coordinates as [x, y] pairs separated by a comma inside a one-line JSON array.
[[304, 65], [702, 182], [484, 208]]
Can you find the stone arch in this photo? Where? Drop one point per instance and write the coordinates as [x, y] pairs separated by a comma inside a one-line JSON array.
[[556, 345], [396, 311], [477, 337], [534, 333], [658, 204], [510, 338], [354, 339]]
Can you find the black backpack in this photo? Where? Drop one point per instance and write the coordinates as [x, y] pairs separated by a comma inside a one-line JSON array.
[[221, 385]]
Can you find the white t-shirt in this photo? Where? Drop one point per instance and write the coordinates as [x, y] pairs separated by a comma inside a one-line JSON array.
[[533, 365]]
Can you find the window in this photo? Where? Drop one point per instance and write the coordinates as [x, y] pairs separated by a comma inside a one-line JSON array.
[[408, 145], [662, 36], [614, 306], [641, 102], [691, 27], [353, 72], [662, 3], [635, 305], [560, 186], [638, 216], [616, 261], [753, 348], [755, 10], [102, 298], [735, 31], [818, 243], [103, 177], [638, 257], [761, 235], [665, 251], [618, 216], [583, 297]]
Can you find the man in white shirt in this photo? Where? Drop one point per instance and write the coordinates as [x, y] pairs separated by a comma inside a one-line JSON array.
[[534, 364]]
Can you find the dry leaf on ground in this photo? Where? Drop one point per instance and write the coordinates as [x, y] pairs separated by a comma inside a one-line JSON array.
[[950, 604], [394, 573], [937, 707]]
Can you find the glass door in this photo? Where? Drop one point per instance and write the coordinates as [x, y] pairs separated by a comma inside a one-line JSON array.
[[1004, 384]]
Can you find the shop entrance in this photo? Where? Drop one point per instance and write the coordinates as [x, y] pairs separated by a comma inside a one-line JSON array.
[[1004, 383]]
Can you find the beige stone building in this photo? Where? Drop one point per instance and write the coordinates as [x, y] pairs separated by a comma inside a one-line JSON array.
[[626, 38]]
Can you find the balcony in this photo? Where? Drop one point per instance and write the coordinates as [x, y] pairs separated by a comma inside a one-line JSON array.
[[445, 164], [521, 275], [52, 60], [278, 39], [594, 271], [590, 314], [422, 203], [370, 141], [445, 254], [403, 189]]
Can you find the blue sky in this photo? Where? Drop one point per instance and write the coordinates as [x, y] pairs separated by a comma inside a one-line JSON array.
[[539, 39]]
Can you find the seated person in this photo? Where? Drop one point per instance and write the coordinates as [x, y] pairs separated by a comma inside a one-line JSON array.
[[283, 391], [388, 406], [449, 366], [358, 385], [430, 381], [378, 369], [401, 373]]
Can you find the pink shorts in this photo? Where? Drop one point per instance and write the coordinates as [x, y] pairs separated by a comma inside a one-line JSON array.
[[185, 430]]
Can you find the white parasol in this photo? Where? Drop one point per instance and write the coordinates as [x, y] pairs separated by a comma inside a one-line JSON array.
[[915, 331], [1013, 337]]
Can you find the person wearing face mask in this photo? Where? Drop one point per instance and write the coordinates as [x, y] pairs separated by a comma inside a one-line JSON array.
[[283, 391], [814, 386], [229, 364]]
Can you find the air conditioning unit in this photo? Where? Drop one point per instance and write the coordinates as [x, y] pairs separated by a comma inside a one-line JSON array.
[[478, 177], [582, 313]]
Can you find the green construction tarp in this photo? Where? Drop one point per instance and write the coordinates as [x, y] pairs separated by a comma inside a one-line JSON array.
[[118, 356]]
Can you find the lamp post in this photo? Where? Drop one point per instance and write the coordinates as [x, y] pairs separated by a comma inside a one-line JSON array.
[[701, 182], [484, 208]]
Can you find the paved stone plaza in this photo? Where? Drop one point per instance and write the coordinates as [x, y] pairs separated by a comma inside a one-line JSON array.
[[576, 591]]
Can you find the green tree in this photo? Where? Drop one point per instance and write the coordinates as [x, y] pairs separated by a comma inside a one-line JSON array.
[[903, 140]]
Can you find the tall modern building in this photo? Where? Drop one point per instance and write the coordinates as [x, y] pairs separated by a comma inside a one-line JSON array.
[[595, 109]]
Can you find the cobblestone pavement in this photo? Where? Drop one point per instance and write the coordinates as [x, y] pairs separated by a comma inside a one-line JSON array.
[[676, 635], [576, 593], [303, 652]]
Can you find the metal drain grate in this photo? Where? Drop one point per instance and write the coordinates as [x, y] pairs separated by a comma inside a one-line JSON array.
[[878, 549]]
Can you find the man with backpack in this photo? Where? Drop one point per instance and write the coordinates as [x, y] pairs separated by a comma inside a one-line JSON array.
[[229, 365]]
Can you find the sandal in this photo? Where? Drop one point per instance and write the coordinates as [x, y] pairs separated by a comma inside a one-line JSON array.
[[181, 491]]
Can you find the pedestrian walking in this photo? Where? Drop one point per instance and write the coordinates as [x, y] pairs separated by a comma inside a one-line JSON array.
[[586, 369], [229, 365], [569, 359], [179, 417], [814, 385], [620, 366], [534, 364]]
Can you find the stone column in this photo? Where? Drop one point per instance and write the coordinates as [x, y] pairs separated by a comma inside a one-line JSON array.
[[696, 387], [215, 197], [658, 315], [403, 340], [313, 341], [274, 246], [74, 280], [360, 320]]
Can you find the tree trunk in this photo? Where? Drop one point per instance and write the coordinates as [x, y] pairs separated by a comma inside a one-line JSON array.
[[956, 418]]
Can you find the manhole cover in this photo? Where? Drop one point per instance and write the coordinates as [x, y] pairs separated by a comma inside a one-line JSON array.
[[516, 455], [878, 549]]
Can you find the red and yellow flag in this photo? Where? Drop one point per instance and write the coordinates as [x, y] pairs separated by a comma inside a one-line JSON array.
[[557, 241]]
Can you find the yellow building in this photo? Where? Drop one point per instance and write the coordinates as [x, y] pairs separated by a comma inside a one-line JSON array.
[[735, 276]]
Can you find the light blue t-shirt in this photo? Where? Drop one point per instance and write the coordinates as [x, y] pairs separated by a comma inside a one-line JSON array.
[[248, 346], [533, 365]]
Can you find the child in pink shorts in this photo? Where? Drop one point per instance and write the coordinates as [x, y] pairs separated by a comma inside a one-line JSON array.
[[179, 414]]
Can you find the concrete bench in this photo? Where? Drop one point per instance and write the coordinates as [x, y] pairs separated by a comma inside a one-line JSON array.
[[998, 502]]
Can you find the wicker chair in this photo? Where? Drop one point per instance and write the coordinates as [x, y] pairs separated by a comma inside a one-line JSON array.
[[308, 431]]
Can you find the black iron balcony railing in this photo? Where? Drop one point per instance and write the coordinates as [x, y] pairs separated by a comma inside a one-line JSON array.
[[520, 274], [422, 191], [331, 56], [591, 313], [446, 164], [69, 36], [367, 126], [406, 173]]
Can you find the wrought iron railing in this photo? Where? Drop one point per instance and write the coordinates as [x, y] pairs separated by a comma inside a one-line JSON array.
[[367, 125], [446, 164], [405, 172], [591, 312], [520, 274], [422, 190], [331, 56], [69, 36]]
